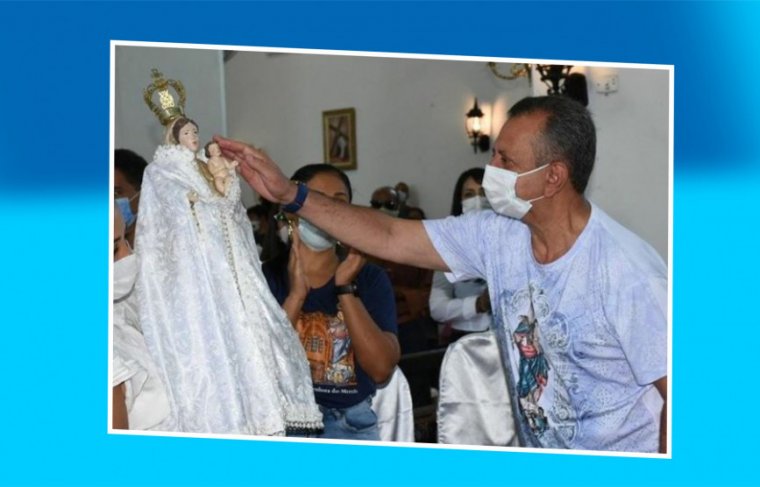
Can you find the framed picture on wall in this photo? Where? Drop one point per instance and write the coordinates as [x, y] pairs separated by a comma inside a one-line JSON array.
[[339, 135]]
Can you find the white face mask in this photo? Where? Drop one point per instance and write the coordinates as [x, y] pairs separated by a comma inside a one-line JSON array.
[[124, 276], [475, 203], [313, 237], [500, 187]]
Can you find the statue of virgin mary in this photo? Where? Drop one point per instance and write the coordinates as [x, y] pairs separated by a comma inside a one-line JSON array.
[[230, 359]]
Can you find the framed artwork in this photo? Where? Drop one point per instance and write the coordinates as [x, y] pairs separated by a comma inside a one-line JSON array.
[[339, 135]]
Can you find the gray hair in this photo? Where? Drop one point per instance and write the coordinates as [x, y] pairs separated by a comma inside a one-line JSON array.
[[568, 134]]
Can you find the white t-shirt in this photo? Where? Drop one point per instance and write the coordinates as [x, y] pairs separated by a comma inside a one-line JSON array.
[[583, 338]]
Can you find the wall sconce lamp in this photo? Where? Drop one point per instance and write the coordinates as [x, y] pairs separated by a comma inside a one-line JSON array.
[[558, 79], [554, 76], [473, 126], [561, 81]]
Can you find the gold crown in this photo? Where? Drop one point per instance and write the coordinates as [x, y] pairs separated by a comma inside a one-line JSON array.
[[167, 109]]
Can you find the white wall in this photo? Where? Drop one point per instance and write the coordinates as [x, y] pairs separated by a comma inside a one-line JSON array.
[[630, 178], [410, 115], [410, 125], [200, 71]]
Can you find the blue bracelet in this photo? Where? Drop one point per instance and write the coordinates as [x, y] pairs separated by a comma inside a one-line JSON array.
[[297, 203]]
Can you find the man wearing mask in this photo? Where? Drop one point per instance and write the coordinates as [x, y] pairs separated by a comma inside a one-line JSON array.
[[579, 302], [127, 180]]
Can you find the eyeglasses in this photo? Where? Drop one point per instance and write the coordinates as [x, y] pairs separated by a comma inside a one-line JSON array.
[[388, 205]]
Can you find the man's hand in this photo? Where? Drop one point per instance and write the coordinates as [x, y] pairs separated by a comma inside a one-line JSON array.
[[259, 171], [483, 303]]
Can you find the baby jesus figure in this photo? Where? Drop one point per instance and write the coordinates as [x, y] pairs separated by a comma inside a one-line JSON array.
[[219, 167]]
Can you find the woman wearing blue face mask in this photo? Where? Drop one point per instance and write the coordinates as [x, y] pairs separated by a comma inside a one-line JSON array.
[[127, 180], [343, 311], [463, 304]]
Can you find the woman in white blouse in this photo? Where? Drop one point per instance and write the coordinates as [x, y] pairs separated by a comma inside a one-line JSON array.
[[464, 304]]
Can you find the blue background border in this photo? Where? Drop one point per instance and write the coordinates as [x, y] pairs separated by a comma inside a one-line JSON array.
[[54, 131]]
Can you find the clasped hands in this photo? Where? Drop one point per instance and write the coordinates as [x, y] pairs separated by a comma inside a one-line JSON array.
[[345, 273]]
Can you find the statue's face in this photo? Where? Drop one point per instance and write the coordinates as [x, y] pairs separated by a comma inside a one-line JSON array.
[[214, 150], [188, 136]]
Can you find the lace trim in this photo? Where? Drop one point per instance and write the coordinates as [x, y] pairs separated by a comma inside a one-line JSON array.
[[171, 153], [302, 418], [297, 419]]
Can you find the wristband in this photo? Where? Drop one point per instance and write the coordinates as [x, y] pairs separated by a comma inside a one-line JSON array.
[[346, 289], [297, 203]]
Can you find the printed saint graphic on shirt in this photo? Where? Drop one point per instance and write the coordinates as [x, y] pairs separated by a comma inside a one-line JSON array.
[[328, 348], [534, 373]]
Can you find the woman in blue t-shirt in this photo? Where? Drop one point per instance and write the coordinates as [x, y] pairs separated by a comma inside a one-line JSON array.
[[343, 310]]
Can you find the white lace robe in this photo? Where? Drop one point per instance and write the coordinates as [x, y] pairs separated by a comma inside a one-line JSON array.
[[230, 358]]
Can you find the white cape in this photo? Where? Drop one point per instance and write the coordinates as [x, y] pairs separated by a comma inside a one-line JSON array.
[[145, 394], [227, 352]]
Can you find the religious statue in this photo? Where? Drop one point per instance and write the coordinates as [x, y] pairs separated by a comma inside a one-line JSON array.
[[229, 357]]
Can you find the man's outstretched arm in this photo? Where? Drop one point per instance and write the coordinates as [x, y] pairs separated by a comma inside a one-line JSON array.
[[370, 231]]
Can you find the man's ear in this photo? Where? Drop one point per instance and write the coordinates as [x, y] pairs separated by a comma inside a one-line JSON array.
[[557, 177]]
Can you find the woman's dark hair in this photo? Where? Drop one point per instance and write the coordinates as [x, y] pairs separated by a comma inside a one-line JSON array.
[[278, 252], [131, 165], [179, 124], [260, 210], [304, 175], [475, 173], [271, 245]]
